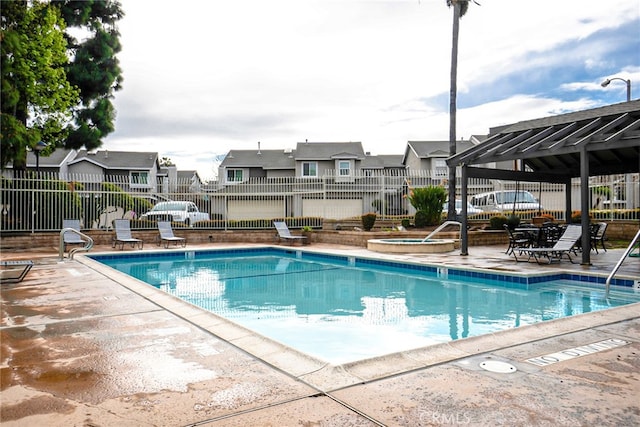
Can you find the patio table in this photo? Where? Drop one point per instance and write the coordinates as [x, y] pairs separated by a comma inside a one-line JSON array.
[[531, 233]]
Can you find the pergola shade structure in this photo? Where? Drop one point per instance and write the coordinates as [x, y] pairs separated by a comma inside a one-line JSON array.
[[601, 141]]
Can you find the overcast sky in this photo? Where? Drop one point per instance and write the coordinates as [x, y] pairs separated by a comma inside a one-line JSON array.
[[202, 77]]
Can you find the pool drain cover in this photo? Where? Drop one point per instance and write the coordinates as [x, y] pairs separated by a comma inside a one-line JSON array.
[[498, 367]]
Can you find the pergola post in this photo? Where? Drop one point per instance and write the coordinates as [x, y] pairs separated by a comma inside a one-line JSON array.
[[584, 206], [464, 240]]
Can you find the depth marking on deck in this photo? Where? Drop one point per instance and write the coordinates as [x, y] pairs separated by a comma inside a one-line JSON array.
[[583, 350]]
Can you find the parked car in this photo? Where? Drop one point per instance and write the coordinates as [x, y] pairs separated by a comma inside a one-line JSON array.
[[470, 208], [177, 211], [505, 201]]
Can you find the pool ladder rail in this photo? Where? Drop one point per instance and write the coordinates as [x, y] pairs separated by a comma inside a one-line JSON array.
[[86, 248], [635, 241], [441, 227]]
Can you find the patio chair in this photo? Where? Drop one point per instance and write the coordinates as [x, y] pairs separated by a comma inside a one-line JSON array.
[[597, 236], [123, 234], [548, 235], [166, 235], [563, 247], [285, 234], [517, 241], [14, 271], [70, 238]]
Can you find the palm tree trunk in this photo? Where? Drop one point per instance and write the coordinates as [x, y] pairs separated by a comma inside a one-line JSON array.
[[451, 212]]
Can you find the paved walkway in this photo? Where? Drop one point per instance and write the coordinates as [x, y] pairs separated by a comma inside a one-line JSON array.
[[81, 348]]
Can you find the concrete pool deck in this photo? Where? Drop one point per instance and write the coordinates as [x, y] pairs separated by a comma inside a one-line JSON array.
[[86, 349]]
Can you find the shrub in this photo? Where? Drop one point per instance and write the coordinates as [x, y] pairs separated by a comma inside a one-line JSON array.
[[513, 221], [497, 222], [421, 219], [405, 222], [368, 220], [428, 200]]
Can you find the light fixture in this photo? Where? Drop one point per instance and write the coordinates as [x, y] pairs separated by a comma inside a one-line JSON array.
[[628, 83]]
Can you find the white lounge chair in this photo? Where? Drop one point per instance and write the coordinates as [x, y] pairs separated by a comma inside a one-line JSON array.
[[564, 246], [123, 234], [166, 235], [14, 271], [71, 238], [285, 234]]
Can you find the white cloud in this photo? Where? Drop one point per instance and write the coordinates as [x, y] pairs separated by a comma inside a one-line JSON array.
[[205, 76]]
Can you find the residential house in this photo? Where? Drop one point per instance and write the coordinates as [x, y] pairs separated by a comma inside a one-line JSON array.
[[431, 156], [314, 159], [189, 181], [345, 160], [299, 182], [136, 172], [55, 162], [240, 165], [390, 164]]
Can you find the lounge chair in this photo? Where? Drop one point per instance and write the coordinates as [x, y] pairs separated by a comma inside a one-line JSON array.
[[166, 235], [14, 271], [123, 234], [285, 234], [564, 246], [71, 238]]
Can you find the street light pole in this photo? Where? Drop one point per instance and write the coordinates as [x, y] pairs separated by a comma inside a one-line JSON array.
[[627, 177], [628, 83], [36, 150]]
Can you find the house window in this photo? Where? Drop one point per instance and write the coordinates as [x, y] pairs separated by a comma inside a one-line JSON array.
[[234, 175], [440, 167], [140, 178], [344, 168], [309, 169]]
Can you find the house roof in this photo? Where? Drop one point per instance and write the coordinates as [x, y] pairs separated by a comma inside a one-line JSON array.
[[329, 150], [383, 161], [266, 159], [187, 174], [128, 160], [428, 149], [609, 135], [55, 159]]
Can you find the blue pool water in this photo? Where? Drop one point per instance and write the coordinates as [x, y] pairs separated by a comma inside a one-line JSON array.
[[342, 309]]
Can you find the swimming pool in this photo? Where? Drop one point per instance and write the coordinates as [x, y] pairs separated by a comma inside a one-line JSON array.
[[342, 309]]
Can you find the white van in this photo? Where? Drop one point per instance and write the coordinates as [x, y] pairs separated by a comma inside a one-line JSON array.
[[504, 201]]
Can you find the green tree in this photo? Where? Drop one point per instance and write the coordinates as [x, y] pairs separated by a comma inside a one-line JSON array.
[[459, 10], [47, 97], [94, 67], [36, 95], [166, 161]]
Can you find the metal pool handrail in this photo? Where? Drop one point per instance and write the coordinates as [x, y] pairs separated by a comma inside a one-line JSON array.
[[634, 241], [443, 225], [86, 248]]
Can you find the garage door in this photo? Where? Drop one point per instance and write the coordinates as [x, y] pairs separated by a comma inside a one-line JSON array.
[[256, 209], [332, 208]]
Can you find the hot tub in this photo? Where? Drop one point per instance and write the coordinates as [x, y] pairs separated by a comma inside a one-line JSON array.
[[405, 246]]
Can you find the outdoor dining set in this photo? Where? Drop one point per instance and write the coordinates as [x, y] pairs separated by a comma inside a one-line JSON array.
[[551, 242]]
